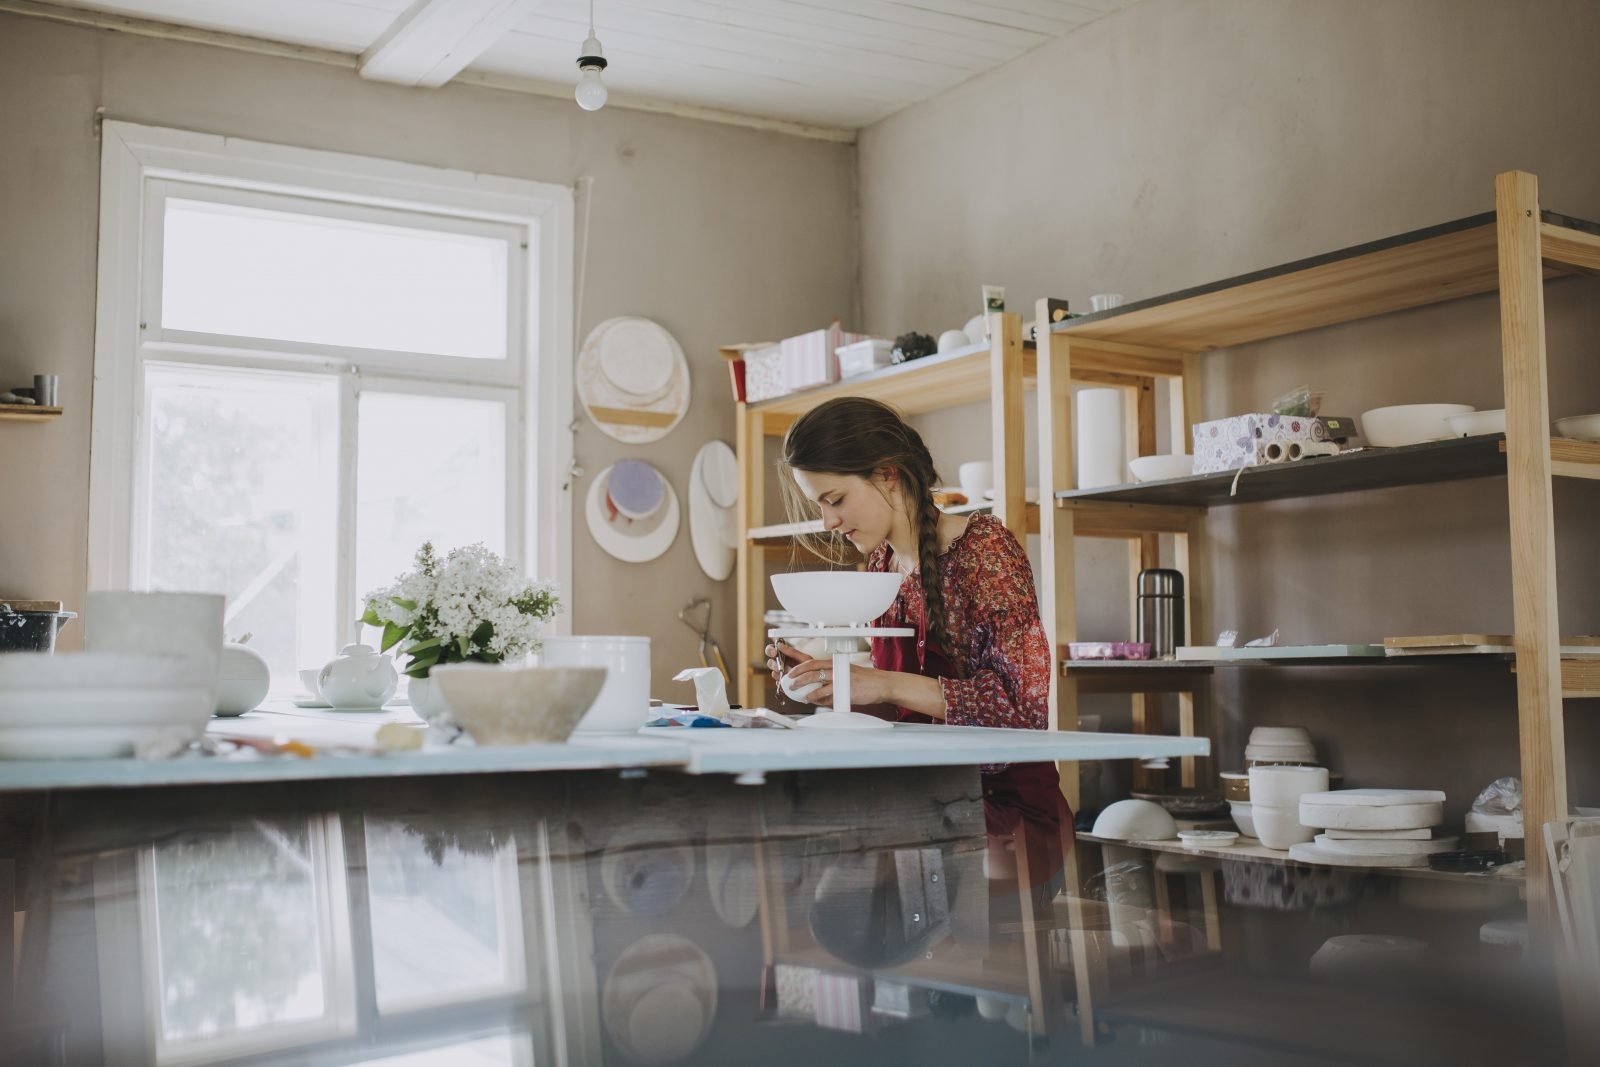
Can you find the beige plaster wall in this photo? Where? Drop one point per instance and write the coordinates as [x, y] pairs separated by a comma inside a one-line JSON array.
[[719, 233], [1179, 142]]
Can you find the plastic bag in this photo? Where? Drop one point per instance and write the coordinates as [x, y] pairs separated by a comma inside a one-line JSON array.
[[1298, 401], [1503, 796]]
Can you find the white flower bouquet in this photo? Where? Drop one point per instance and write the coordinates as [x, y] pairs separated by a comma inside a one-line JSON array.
[[469, 606]]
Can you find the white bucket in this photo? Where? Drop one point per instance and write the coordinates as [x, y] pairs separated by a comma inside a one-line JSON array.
[[624, 701]]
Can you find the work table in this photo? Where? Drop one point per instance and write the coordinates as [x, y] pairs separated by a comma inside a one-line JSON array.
[[749, 753]]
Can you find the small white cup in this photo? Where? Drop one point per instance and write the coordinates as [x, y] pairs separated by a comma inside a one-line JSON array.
[[977, 478], [1105, 301]]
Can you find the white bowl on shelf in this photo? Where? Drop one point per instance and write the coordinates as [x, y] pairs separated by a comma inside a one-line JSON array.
[[1280, 735], [1278, 828], [837, 598], [1161, 468], [1282, 787], [1136, 820], [1243, 816], [1477, 423], [1579, 427], [1409, 424]]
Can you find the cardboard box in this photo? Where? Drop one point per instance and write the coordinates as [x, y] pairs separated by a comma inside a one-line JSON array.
[[1242, 440], [805, 361]]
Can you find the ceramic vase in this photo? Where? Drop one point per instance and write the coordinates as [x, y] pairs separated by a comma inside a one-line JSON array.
[[429, 703]]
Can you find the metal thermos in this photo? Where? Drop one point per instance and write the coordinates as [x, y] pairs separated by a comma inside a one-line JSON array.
[[1160, 610]]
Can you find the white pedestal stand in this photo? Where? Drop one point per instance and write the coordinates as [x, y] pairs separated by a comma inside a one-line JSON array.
[[841, 642]]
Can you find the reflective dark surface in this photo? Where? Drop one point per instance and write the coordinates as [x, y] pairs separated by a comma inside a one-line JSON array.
[[832, 918]]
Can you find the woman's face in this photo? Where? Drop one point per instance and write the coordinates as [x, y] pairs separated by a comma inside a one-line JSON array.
[[861, 509]]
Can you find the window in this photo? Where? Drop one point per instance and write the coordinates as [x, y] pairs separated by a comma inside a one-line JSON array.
[[309, 363]]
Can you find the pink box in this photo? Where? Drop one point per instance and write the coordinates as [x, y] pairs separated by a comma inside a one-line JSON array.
[[1242, 440], [809, 359]]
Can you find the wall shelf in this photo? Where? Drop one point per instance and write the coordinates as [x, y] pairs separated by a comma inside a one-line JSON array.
[[27, 413]]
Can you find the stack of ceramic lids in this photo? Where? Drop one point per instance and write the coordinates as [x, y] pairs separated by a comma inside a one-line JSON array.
[[1373, 827]]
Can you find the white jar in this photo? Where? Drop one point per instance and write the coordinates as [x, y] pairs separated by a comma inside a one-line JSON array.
[[624, 701]]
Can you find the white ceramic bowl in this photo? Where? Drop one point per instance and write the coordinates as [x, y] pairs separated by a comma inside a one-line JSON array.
[[1136, 820], [1475, 423], [1243, 817], [1409, 424], [501, 705], [54, 671], [1280, 735], [1282, 787], [1278, 827], [99, 723], [837, 598], [1160, 468], [1579, 427]]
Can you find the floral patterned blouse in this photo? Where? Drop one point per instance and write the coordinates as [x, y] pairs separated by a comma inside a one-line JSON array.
[[999, 654]]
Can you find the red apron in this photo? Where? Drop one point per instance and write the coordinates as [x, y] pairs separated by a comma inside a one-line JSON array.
[[1017, 797]]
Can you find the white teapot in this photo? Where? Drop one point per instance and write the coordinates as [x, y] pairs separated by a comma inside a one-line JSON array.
[[358, 678]]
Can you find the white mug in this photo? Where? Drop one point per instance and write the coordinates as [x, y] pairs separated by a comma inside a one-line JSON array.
[[624, 701], [977, 478]]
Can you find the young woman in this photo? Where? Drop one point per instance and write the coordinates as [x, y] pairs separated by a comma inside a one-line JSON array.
[[979, 656]]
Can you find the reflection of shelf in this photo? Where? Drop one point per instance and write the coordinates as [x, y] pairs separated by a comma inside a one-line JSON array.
[[27, 413], [1249, 849], [978, 977], [1339, 1022]]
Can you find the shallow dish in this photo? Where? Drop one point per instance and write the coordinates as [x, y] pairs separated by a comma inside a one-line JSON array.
[[837, 598], [1161, 468], [1183, 802], [1207, 838], [1477, 423], [1409, 424], [1579, 427]]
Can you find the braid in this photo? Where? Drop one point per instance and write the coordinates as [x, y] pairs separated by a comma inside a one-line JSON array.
[[926, 517]]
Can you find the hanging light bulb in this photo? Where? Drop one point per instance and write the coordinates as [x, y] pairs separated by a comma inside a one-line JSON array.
[[591, 92]]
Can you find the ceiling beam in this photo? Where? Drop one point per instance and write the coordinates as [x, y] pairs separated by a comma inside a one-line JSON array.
[[434, 40]]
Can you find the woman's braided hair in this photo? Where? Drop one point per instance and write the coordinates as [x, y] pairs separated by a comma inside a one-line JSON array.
[[856, 436]]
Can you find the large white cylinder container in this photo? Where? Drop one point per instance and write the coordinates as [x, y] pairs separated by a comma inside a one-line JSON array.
[[1099, 439], [624, 701]]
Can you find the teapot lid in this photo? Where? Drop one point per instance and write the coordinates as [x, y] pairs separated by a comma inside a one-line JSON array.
[[358, 650]]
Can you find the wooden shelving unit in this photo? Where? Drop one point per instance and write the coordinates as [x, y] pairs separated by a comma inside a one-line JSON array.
[[1000, 371], [1512, 250], [27, 413]]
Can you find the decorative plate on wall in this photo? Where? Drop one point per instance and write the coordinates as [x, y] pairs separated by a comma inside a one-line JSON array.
[[632, 511], [713, 511], [632, 379]]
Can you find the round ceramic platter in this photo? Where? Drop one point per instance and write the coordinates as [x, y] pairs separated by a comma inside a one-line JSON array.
[[659, 999], [645, 876], [632, 540], [632, 379], [713, 529]]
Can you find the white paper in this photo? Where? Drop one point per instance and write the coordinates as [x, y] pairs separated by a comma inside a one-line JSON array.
[[710, 689]]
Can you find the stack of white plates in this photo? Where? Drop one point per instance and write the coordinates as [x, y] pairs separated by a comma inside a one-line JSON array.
[[92, 705]]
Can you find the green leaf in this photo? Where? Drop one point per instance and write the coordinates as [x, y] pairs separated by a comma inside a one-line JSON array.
[[392, 633], [424, 645], [409, 605], [370, 617], [415, 671], [465, 645], [421, 663]]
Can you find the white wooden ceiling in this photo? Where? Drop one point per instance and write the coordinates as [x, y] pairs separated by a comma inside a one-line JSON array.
[[842, 64]]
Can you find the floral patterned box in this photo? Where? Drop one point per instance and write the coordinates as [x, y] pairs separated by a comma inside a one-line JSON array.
[[1242, 440]]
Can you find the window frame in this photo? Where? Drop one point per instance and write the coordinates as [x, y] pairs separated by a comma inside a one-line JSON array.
[[141, 165]]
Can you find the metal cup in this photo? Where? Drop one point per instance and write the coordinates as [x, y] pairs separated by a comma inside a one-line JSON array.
[[46, 388]]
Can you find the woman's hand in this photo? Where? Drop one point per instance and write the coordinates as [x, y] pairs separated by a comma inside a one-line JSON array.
[[796, 670]]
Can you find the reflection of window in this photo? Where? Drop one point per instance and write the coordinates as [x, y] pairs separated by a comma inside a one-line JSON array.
[[247, 940], [447, 921], [499, 1050]]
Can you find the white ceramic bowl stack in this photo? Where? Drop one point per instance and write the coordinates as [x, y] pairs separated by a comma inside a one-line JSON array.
[[97, 705], [1275, 794], [1373, 827], [1279, 745]]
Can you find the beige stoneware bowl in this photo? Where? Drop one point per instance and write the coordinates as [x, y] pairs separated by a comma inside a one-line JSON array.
[[499, 705]]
